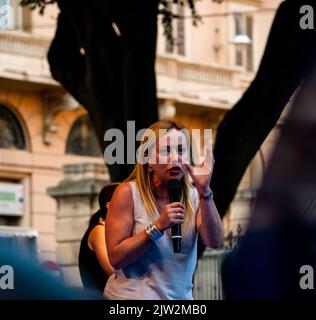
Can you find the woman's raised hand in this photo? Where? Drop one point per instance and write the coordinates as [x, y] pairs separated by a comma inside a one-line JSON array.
[[202, 174]]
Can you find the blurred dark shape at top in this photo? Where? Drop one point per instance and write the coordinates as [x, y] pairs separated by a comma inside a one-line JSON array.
[[282, 229]]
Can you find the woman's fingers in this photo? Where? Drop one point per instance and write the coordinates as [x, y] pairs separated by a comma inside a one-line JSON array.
[[172, 214], [178, 217], [176, 205], [204, 168], [208, 156], [175, 210]]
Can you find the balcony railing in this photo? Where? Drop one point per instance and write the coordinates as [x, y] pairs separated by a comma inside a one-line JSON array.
[[23, 44], [207, 278], [196, 72]]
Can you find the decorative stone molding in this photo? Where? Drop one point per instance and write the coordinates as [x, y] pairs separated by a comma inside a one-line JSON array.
[[55, 103]]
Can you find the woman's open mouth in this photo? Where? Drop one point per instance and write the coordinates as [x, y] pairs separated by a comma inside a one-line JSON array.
[[175, 170]]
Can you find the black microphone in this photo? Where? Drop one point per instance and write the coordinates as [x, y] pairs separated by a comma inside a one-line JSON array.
[[174, 192]]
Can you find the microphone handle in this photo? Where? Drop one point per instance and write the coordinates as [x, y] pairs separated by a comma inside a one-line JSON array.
[[176, 229], [176, 238]]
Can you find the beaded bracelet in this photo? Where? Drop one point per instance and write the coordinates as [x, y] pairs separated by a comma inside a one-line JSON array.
[[153, 232], [207, 196]]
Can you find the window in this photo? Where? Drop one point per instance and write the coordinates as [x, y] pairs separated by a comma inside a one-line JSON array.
[[11, 202], [82, 139], [12, 136], [179, 33], [244, 53], [13, 16], [239, 56]]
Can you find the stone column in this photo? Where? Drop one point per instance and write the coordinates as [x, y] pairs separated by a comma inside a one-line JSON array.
[[77, 199]]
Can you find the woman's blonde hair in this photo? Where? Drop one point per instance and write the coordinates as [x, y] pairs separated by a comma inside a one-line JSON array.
[[142, 177]]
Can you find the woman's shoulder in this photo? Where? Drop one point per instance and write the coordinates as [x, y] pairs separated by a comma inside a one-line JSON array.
[[123, 194], [124, 188], [128, 189], [96, 232]]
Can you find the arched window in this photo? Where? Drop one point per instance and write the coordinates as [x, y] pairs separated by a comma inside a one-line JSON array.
[[12, 136], [82, 139]]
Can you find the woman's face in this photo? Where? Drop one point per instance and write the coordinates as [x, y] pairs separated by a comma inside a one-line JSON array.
[[169, 156]]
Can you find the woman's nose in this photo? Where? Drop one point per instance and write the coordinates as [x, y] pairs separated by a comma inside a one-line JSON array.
[[174, 156]]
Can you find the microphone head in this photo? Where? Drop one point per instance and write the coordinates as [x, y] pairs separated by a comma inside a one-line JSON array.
[[174, 190], [174, 184]]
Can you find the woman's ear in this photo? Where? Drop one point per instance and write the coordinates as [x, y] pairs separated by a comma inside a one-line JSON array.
[[108, 205]]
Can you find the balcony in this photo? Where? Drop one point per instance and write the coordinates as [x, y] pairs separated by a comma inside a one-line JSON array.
[[23, 58], [194, 72], [195, 83]]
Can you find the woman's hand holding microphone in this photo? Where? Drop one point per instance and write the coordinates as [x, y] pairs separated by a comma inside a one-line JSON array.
[[172, 214]]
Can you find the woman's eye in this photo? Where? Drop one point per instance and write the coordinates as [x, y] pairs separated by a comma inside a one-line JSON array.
[[181, 149], [164, 150]]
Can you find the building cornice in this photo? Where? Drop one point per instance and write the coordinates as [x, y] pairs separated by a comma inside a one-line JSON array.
[[248, 2]]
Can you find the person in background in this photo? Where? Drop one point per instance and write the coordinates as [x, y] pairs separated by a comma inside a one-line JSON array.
[[94, 265]]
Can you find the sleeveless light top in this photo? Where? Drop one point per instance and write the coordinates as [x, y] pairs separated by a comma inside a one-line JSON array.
[[160, 274]]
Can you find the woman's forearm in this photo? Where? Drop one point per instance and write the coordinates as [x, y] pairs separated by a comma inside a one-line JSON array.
[[211, 228], [129, 250]]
